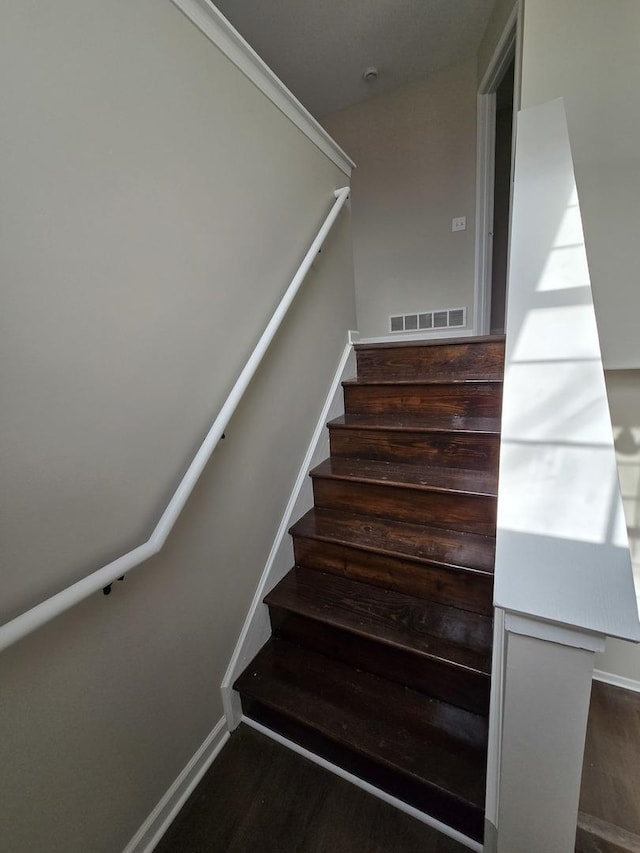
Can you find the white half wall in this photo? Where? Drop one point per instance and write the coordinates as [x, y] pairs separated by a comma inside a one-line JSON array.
[[415, 150], [562, 550]]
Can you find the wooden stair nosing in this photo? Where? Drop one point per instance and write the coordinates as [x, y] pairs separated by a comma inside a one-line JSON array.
[[300, 590], [372, 728], [307, 528], [458, 424], [393, 381], [424, 478], [393, 725], [449, 810]]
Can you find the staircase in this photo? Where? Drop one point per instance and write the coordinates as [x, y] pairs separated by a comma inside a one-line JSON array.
[[381, 648]]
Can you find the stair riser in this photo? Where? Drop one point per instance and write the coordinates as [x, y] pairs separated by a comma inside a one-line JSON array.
[[481, 400], [481, 361], [472, 513], [455, 685], [429, 799], [468, 590], [478, 452]]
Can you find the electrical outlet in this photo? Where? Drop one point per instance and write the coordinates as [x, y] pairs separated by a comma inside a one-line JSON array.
[[459, 224]]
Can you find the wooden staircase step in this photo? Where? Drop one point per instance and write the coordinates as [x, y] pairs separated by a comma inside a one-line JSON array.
[[416, 542], [456, 498], [480, 358], [466, 397], [426, 752], [435, 649], [451, 440], [452, 567]]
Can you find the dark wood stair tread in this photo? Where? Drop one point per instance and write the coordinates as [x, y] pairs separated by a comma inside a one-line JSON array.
[[423, 477], [424, 739], [436, 380], [423, 628], [418, 542], [428, 423]]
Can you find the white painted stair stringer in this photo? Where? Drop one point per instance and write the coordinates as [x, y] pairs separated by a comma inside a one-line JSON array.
[[257, 628]]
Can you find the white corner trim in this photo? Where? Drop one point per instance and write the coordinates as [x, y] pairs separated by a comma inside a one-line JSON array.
[[257, 629], [485, 169], [366, 786], [616, 680], [496, 703], [218, 30], [502, 53], [155, 826], [553, 632]]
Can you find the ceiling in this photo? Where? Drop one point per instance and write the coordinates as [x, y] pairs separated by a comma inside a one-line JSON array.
[[320, 48]]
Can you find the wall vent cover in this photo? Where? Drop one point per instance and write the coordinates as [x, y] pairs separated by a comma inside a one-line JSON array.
[[447, 318]]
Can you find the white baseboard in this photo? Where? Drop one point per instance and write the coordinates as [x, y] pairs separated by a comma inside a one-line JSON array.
[[616, 680], [155, 826], [257, 629], [366, 786], [426, 335]]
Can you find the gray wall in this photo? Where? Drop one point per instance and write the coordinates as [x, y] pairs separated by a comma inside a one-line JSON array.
[[587, 52], [623, 388], [415, 150], [155, 206]]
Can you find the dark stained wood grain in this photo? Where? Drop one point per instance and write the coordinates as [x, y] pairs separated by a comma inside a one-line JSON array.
[[474, 359], [430, 478], [260, 797], [398, 637], [427, 745], [609, 794], [470, 399], [468, 589], [395, 619], [428, 545], [380, 658], [468, 512], [447, 440]]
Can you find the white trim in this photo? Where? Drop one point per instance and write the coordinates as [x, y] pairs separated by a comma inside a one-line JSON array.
[[424, 335], [228, 40], [257, 629], [496, 702], [501, 55], [553, 632], [507, 46], [155, 826], [366, 786], [54, 606], [616, 680], [485, 169]]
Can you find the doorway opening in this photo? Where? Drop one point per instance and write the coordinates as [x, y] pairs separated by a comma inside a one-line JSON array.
[[501, 200], [497, 105]]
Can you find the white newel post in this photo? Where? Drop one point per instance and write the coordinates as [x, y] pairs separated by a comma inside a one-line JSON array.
[[547, 686]]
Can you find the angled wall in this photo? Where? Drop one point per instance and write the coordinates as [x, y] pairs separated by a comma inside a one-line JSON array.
[[155, 207]]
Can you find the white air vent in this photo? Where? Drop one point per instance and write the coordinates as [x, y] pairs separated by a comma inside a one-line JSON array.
[[448, 318]]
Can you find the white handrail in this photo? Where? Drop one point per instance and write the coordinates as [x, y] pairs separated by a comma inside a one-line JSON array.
[[39, 615]]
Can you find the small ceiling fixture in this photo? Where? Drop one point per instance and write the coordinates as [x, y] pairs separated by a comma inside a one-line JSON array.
[[370, 74]]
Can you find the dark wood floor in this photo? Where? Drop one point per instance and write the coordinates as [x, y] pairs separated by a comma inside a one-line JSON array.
[[259, 797], [609, 819]]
